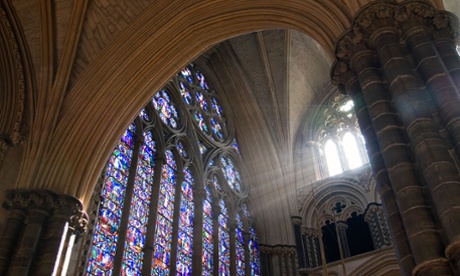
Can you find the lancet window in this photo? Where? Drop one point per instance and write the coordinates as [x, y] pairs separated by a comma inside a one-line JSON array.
[[341, 143]]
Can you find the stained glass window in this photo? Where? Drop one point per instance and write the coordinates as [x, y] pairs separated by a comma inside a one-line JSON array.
[[224, 240], [166, 109], [231, 174], [105, 234], [239, 247], [164, 225], [137, 222], [203, 102], [146, 218], [184, 246], [254, 256], [208, 234]]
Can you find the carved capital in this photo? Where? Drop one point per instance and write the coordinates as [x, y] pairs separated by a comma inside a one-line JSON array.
[[382, 16], [296, 220], [29, 199], [341, 74], [59, 207], [67, 205]]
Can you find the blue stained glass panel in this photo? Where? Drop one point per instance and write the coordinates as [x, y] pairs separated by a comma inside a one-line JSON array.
[[184, 246], [105, 235], [186, 95], [121, 158], [181, 149], [143, 114], [216, 183], [254, 256], [201, 122], [202, 81], [188, 176], [163, 230], [216, 107], [224, 240], [127, 138], [187, 74], [165, 109], [216, 128], [162, 246], [202, 147], [239, 247], [207, 238], [133, 254], [201, 101]]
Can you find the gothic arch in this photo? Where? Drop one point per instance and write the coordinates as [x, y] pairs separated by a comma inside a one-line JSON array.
[[159, 44]]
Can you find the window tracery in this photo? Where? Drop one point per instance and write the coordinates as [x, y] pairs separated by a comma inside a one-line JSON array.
[[342, 145], [153, 190]]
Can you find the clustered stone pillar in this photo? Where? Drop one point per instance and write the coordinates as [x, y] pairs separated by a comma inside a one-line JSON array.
[[312, 249], [281, 260], [341, 227], [299, 241], [397, 62], [377, 225], [34, 234]]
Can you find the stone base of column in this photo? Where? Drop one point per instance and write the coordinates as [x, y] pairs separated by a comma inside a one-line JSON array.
[[436, 267]]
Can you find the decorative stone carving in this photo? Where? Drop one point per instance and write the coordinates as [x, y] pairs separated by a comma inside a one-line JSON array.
[[79, 222], [61, 205], [296, 220], [12, 84], [383, 14]]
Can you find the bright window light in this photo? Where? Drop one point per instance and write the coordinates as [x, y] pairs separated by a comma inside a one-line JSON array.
[[332, 158], [352, 152]]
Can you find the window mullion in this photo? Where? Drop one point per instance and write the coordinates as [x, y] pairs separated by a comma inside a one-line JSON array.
[[148, 250], [199, 196], [127, 205]]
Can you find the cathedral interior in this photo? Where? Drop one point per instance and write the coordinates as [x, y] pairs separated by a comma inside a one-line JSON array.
[[215, 137]]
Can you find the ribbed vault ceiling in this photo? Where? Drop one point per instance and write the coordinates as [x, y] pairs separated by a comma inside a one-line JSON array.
[[286, 71]]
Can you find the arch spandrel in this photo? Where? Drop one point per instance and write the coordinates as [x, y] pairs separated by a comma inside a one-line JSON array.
[[108, 95]]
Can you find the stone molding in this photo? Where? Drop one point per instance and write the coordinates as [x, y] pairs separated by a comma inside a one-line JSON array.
[[12, 71], [278, 249], [61, 205], [296, 220], [381, 16]]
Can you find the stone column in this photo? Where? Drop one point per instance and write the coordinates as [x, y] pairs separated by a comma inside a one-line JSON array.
[[14, 224], [313, 254], [341, 228], [40, 236], [398, 232], [377, 225], [297, 223], [38, 210], [408, 93], [232, 225], [66, 209]]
